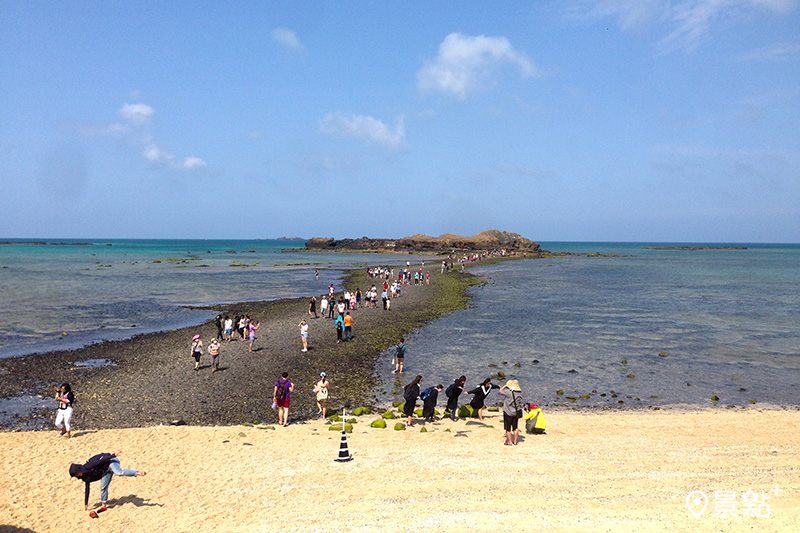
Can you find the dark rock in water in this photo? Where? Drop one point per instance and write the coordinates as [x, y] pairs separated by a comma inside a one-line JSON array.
[[177, 423], [572, 371], [742, 389], [535, 361], [484, 241]]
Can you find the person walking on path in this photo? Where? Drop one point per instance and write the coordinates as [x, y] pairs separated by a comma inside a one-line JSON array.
[[348, 326], [100, 467], [197, 351], [429, 398], [480, 392], [312, 307], [228, 328], [323, 306], [453, 392], [410, 395], [252, 327], [280, 396], [218, 323], [213, 351], [321, 391], [399, 357], [512, 410], [66, 400], [303, 334], [339, 325]]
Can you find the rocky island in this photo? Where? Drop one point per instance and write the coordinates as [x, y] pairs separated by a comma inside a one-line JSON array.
[[484, 241]]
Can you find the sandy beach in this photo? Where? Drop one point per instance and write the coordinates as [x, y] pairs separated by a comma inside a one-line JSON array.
[[620, 471]]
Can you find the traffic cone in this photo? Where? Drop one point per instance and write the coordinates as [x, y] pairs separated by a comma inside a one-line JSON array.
[[344, 454]]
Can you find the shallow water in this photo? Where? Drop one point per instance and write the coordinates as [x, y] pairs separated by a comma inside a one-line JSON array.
[[67, 296], [726, 320]]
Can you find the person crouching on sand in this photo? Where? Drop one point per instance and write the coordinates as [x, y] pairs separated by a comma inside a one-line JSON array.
[[197, 351], [100, 467]]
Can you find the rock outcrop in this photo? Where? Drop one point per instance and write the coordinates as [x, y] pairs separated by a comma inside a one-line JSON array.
[[484, 241]]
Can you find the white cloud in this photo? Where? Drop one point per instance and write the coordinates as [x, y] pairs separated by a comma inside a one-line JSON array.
[[364, 127], [690, 20], [137, 126], [286, 38], [464, 61], [774, 53], [138, 114]]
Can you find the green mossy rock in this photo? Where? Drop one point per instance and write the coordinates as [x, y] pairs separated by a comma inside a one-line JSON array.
[[388, 415], [572, 398], [401, 407], [397, 403], [560, 392], [714, 398], [585, 396], [418, 412], [662, 354], [631, 375], [753, 402], [379, 423], [494, 409], [399, 426], [358, 411], [466, 411], [423, 430], [335, 418], [338, 427]]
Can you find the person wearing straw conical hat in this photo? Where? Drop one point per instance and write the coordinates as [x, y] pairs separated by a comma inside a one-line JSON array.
[[512, 410]]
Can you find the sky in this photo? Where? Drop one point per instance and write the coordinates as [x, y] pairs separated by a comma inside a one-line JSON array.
[[586, 120]]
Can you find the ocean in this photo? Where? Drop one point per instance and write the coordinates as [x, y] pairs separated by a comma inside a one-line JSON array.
[[648, 328], [642, 328]]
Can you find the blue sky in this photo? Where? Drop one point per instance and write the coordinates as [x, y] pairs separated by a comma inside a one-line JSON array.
[[617, 120]]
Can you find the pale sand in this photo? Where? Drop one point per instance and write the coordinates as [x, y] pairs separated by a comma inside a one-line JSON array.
[[623, 471]]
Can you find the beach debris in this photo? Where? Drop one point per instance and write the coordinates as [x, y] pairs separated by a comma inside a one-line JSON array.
[[246, 444], [399, 426], [179, 422], [714, 398], [379, 423]]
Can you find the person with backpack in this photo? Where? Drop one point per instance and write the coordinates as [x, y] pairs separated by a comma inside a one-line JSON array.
[[100, 467], [480, 392], [399, 357], [66, 403], [453, 392], [280, 397], [512, 410], [429, 397], [410, 395]]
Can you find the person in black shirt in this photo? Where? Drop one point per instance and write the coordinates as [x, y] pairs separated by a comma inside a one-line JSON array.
[[100, 467]]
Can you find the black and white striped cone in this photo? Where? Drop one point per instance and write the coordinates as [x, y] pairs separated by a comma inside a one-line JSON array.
[[344, 454]]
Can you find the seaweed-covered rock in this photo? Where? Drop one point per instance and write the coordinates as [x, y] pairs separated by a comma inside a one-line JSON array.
[[379, 423], [418, 412], [338, 427], [397, 403], [423, 430], [388, 415], [399, 426], [466, 411]]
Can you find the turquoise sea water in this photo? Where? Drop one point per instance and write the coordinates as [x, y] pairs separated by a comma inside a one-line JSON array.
[[101, 290], [727, 320]]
